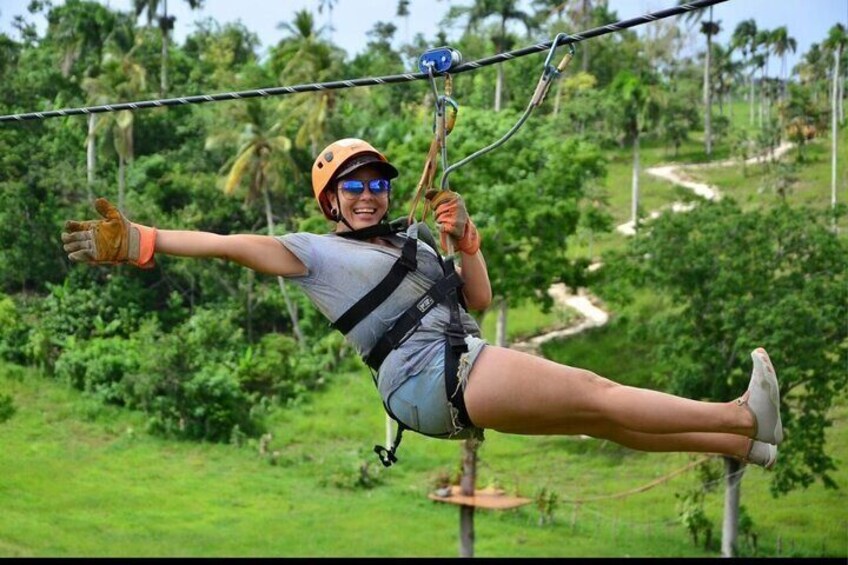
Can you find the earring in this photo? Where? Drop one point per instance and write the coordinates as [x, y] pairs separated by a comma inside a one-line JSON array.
[[334, 213]]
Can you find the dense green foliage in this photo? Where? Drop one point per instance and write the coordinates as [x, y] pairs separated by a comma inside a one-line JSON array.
[[735, 281], [206, 350]]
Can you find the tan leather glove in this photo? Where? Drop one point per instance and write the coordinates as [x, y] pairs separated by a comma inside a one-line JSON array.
[[112, 240], [453, 220]]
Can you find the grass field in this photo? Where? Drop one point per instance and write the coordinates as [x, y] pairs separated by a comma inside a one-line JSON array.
[[85, 480]]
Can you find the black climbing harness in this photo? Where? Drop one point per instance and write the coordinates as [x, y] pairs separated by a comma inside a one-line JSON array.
[[446, 289]]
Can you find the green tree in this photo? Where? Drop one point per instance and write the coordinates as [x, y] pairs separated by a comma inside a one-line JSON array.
[[525, 201], [262, 158], [79, 31], [744, 38], [217, 51], [837, 39], [504, 12], [328, 5], [678, 114], [709, 28], [763, 46], [739, 280], [302, 56], [122, 78], [782, 42], [166, 24], [634, 110], [726, 72]]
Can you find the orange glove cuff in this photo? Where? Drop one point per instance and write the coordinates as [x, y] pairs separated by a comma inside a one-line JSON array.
[[142, 245], [470, 242]]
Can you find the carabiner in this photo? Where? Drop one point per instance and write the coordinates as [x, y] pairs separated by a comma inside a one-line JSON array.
[[550, 73], [446, 102], [559, 68]]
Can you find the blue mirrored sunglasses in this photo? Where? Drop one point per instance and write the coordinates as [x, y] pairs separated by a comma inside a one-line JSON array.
[[378, 187]]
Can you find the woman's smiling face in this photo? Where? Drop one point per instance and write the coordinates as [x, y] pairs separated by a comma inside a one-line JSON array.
[[360, 204]]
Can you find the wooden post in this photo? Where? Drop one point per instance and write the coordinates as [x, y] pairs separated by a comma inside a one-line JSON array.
[[467, 485]]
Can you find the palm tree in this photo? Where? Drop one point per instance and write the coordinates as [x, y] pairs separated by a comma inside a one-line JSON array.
[[262, 152], [726, 71], [633, 99], [504, 11], [744, 38], [80, 30], [403, 12], [166, 24], [122, 77], [302, 56], [709, 28], [812, 68], [781, 43], [763, 40], [329, 5], [836, 40]]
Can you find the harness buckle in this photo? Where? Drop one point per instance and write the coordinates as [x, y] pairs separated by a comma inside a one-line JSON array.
[[387, 456], [456, 338]]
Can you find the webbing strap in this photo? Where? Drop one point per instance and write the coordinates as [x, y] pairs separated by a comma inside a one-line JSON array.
[[384, 228], [406, 262], [409, 319], [453, 390]]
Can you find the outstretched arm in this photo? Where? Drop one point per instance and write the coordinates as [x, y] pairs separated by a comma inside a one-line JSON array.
[[116, 240], [261, 253]]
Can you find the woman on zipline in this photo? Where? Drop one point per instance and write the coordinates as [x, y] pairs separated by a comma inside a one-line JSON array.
[[405, 310]]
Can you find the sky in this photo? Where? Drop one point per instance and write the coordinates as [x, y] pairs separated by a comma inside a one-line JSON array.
[[808, 21]]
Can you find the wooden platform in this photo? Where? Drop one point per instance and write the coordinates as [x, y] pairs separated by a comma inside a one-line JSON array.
[[491, 498]]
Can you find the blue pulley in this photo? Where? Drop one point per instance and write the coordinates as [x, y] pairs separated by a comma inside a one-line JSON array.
[[439, 60]]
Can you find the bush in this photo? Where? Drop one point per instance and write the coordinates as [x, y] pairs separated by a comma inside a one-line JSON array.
[[213, 405], [111, 308], [269, 368], [7, 407], [13, 331], [99, 367]]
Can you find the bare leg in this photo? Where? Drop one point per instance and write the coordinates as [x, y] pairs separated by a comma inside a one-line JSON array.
[[515, 392], [695, 442]]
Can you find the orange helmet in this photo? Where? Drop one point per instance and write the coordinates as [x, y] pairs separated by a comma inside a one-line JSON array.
[[340, 158]]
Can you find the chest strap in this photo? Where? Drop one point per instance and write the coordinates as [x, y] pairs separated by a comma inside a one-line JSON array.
[[410, 319], [406, 262]]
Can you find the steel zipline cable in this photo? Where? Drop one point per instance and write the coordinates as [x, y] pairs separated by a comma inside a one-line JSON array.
[[368, 81]]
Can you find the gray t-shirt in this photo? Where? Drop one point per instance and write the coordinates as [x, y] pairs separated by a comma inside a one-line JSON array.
[[341, 271]]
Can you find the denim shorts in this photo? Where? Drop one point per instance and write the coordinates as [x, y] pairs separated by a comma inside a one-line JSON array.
[[421, 403]]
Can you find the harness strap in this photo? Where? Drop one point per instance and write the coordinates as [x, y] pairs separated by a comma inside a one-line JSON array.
[[409, 319], [406, 262], [377, 230], [445, 289], [387, 456], [453, 389]]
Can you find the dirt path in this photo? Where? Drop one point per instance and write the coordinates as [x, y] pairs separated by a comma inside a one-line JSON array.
[[589, 307], [592, 315], [676, 174]]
